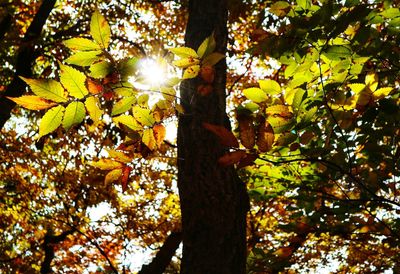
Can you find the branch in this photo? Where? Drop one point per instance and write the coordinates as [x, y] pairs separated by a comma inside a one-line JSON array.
[[25, 58], [164, 255]]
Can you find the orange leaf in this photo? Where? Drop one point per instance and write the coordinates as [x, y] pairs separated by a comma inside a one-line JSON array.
[[159, 134], [125, 177], [32, 102], [231, 158], [94, 87], [226, 137]]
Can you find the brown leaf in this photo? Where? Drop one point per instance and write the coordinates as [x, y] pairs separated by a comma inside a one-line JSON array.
[[247, 133], [125, 177], [248, 160], [265, 137], [226, 137], [231, 158]]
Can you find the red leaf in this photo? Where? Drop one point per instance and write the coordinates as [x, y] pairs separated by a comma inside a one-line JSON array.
[[226, 137], [231, 158], [125, 177]]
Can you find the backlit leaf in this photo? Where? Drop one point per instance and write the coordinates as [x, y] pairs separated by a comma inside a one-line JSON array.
[[84, 58], [357, 87], [246, 131], [184, 52], [128, 121], [143, 116], [74, 114], [191, 72], [106, 164], [148, 138], [213, 59], [186, 62], [265, 137], [92, 105], [100, 69], [280, 110], [51, 120], [47, 89], [113, 175], [382, 92], [280, 124], [255, 94], [81, 44], [32, 102], [270, 86], [123, 105], [74, 81], [371, 80], [159, 134], [100, 30], [206, 47], [119, 156]]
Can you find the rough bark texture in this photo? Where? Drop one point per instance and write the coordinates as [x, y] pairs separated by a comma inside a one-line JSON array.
[[164, 255], [214, 201], [25, 58]]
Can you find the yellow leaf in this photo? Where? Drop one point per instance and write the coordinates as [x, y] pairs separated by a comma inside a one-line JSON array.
[[128, 121], [81, 44], [74, 81], [143, 116], [280, 110], [51, 120], [270, 86], [186, 62], [191, 72], [256, 95], [159, 134], [184, 52], [206, 47], [32, 102], [119, 156], [113, 175], [84, 58], [106, 164], [357, 87], [74, 114], [123, 105], [382, 92], [47, 89], [100, 30], [148, 138], [371, 80], [93, 108], [213, 59]]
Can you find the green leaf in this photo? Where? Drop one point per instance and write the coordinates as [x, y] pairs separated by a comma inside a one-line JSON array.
[[255, 94], [51, 120], [298, 98], [48, 89], [127, 68], [186, 62], [84, 58], [391, 13], [270, 86], [100, 30], [184, 52], [123, 105], [93, 108], [74, 114], [206, 47], [213, 58], [337, 52], [280, 124], [81, 44], [128, 121], [74, 81], [143, 116], [100, 69]]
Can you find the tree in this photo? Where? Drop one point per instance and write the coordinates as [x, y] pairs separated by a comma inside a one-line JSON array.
[[315, 139]]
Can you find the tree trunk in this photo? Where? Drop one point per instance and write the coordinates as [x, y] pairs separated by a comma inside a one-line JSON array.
[[26, 56], [214, 201]]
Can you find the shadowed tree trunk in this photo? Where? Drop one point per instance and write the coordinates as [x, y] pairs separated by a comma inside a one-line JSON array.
[[25, 58], [214, 201]]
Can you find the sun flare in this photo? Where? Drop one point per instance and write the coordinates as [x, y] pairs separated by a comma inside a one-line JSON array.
[[153, 72]]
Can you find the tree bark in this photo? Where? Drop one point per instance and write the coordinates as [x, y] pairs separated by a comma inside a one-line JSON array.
[[26, 56], [214, 201]]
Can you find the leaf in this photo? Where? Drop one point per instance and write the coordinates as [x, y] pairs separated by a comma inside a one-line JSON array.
[[148, 138], [168, 93], [125, 177], [371, 80], [246, 131], [159, 134], [248, 160], [128, 121], [113, 175], [94, 87], [280, 124], [74, 81], [106, 164], [119, 156], [255, 94], [265, 137], [280, 110], [47, 89], [32, 102], [270, 87], [184, 52], [100, 69], [186, 62], [93, 108], [123, 105], [226, 137], [382, 92], [84, 58], [51, 120], [74, 114], [206, 47], [100, 30], [231, 158], [213, 59], [357, 87], [81, 44], [143, 116], [191, 72], [280, 8]]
